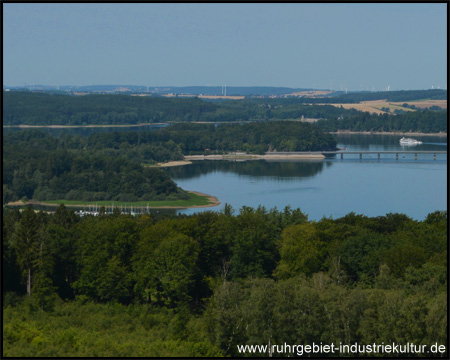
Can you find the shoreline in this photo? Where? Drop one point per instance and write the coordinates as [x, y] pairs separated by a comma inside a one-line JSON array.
[[255, 157], [344, 132], [239, 157], [80, 126], [339, 132], [214, 201]]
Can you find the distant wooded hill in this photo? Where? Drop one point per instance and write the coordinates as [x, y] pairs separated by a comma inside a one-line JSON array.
[[394, 96], [39, 108], [194, 90]]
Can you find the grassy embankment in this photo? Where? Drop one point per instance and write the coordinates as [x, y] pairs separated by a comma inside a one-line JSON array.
[[196, 200]]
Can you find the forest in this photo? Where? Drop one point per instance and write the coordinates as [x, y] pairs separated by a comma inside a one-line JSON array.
[[111, 166], [250, 137], [200, 285], [159, 285], [34, 108], [428, 121], [37, 166]]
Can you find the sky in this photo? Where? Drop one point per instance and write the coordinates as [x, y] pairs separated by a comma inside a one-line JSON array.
[[306, 45]]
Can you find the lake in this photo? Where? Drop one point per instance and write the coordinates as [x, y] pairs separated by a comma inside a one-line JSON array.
[[332, 187]]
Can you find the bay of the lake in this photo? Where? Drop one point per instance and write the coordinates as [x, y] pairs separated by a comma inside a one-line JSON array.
[[332, 187]]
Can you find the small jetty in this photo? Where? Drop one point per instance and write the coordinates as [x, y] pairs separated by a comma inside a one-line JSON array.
[[94, 210]]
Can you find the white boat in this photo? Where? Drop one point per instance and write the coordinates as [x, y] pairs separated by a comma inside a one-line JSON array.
[[409, 141]]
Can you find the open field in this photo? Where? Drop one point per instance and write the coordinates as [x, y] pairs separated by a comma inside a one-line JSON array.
[[374, 107], [197, 200], [425, 103], [312, 93]]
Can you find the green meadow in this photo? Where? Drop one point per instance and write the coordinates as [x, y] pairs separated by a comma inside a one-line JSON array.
[[194, 200]]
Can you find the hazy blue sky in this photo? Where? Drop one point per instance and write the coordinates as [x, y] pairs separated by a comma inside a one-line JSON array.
[[295, 45]]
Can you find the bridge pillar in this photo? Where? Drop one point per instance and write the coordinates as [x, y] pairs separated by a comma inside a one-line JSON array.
[[360, 155], [396, 156], [415, 156], [434, 157], [378, 156], [342, 156]]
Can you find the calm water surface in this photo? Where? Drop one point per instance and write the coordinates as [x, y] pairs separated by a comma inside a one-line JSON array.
[[331, 187]]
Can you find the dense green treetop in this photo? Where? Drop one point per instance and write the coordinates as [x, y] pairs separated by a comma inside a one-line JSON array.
[[199, 285], [428, 121], [38, 166], [250, 137], [42, 108], [207, 282]]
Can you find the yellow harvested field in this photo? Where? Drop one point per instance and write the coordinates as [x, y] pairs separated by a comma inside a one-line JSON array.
[[205, 96], [312, 93], [221, 97], [361, 107], [374, 107], [425, 104]]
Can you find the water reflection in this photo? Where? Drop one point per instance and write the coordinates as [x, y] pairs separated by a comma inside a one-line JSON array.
[[283, 170]]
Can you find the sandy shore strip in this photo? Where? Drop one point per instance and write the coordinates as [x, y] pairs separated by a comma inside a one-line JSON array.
[[170, 164], [255, 157], [213, 201], [175, 163]]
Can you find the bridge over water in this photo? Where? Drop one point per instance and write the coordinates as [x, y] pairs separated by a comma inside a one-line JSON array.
[[361, 153]]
